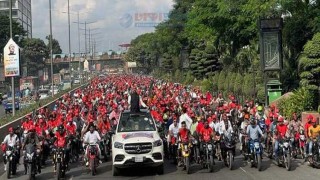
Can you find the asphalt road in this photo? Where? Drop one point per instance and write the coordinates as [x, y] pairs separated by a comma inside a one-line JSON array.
[[242, 170]]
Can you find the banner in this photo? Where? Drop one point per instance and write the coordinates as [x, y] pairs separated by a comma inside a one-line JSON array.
[[11, 59], [86, 65]]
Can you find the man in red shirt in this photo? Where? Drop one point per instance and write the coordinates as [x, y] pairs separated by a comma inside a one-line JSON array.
[[60, 141], [184, 137], [71, 127], [281, 132], [306, 130]]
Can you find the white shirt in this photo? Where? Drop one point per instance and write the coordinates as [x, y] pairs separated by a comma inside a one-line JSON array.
[[11, 141], [174, 129], [215, 126], [92, 138], [187, 119], [222, 127]]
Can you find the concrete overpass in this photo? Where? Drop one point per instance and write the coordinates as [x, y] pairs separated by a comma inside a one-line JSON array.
[[99, 62]]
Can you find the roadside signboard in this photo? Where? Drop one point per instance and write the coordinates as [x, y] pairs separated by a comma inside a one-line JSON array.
[[11, 59]]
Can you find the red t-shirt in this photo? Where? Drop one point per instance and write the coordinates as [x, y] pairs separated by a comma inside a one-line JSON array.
[[184, 135], [71, 129], [104, 127], [199, 127], [61, 140], [206, 134], [306, 128], [282, 130]]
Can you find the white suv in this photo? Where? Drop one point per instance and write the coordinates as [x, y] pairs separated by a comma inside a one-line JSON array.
[[136, 143]]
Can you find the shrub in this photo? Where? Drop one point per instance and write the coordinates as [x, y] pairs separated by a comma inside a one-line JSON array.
[[299, 101]]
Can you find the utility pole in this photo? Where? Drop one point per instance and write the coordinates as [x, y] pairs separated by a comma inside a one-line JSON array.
[[12, 78], [69, 36], [51, 51], [80, 74]]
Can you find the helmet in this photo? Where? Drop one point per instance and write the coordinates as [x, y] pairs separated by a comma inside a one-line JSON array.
[[259, 108], [10, 129], [252, 120], [61, 128], [280, 119]]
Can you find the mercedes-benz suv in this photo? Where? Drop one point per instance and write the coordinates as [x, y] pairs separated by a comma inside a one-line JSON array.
[[136, 143]]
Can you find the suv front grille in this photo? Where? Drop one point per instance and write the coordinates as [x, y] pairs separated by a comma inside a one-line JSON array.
[[138, 148]]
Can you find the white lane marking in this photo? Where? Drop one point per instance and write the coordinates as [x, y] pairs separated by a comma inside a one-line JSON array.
[[243, 170]]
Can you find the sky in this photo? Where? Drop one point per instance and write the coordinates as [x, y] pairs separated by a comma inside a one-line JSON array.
[[112, 22]]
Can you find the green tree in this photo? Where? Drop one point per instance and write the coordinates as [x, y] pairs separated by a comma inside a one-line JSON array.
[[310, 66], [33, 53], [56, 49], [17, 29], [221, 81]]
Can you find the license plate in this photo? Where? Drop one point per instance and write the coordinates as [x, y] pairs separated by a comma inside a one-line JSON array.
[[138, 159]]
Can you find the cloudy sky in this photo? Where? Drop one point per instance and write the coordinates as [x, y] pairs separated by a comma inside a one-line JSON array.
[[115, 21]]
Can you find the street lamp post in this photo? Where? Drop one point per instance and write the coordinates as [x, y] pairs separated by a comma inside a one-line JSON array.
[[69, 36], [12, 78], [51, 51]]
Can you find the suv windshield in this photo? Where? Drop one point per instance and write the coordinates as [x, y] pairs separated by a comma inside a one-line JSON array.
[[136, 122]]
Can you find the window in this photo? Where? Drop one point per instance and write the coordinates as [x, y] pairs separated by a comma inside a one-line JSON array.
[[4, 4]]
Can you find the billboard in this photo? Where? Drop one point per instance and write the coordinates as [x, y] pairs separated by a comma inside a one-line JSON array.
[[11, 59]]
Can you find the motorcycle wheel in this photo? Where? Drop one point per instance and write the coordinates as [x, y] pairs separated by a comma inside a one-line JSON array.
[[8, 169], [92, 167], [210, 167], [14, 167], [302, 153], [259, 162], [106, 153], [230, 160], [30, 172], [187, 164], [58, 170], [288, 162]]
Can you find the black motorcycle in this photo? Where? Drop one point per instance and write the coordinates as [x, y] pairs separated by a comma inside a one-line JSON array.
[[314, 159], [228, 146], [60, 162], [11, 159], [105, 145], [30, 161], [207, 161], [284, 158]]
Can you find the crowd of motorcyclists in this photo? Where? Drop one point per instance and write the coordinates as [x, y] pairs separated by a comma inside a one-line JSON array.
[[196, 126]]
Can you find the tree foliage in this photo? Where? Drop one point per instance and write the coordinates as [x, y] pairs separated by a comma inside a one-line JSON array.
[[33, 54], [56, 49], [17, 29]]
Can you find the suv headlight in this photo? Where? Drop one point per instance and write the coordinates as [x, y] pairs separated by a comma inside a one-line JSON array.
[[118, 145], [157, 143]]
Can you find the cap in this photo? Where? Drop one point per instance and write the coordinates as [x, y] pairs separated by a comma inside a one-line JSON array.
[[310, 117], [280, 119], [314, 120]]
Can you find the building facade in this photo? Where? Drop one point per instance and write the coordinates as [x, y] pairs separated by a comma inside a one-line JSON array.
[[21, 12]]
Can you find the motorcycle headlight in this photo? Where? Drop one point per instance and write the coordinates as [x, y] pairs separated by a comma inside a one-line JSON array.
[[256, 145], [8, 153], [286, 144], [209, 147], [157, 143], [302, 137], [118, 145]]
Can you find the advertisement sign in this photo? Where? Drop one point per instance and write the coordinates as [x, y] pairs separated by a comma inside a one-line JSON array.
[[86, 65], [11, 59]]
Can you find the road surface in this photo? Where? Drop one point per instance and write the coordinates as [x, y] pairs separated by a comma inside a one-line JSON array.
[[242, 171]]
